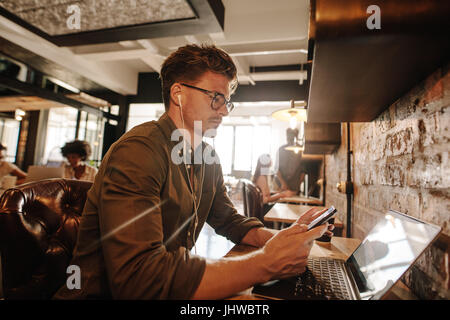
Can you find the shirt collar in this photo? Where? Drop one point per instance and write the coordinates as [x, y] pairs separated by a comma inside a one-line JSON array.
[[168, 126]]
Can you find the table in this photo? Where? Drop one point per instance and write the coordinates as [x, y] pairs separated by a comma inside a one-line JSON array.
[[301, 200], [338, 248], [289, 213]]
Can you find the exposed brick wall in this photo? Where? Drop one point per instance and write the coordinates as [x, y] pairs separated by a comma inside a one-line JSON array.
[[401, 161]]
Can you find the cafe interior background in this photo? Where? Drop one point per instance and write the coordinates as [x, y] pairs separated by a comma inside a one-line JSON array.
[[372, 103]]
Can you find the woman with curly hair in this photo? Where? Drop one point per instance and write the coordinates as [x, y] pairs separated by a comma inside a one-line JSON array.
[[76, 152]]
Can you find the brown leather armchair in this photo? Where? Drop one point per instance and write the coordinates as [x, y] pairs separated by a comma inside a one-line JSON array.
[[38, 230]]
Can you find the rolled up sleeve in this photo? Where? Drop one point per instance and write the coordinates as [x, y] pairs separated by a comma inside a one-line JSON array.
[[137, 262], [225, 219]]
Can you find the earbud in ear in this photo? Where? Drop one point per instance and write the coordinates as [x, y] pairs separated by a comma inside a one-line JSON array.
[[179, 101]]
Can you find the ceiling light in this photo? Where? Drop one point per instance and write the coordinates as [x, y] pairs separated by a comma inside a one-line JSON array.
[[294, 114], [64, 85], [19, 114], [293, 122], [298, 146]]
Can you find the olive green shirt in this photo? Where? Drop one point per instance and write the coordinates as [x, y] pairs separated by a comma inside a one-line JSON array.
[[137, 227]]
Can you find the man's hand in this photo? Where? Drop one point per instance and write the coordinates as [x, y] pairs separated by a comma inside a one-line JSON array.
[[286, 253], [310, 215]]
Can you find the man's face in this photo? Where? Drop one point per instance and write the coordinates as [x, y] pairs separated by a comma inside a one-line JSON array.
[[197, 106]]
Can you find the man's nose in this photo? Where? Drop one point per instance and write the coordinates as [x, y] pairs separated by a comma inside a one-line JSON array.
[[223, 110]]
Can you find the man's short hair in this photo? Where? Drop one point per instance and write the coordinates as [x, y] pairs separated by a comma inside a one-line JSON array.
[[80, 147], [190, 62]]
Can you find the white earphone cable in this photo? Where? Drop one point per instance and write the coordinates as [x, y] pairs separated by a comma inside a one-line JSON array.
[[196, 205]]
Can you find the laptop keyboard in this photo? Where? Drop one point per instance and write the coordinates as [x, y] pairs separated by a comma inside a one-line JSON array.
[[323, 279]]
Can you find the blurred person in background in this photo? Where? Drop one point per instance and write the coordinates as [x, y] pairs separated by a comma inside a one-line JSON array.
[[7, 168], [290, 171], [77, 152], [261, 180]]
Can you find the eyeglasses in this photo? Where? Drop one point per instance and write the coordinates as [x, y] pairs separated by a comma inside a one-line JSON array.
[[218, 99]]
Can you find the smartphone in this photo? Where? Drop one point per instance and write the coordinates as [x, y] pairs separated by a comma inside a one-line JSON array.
[[324, 217]]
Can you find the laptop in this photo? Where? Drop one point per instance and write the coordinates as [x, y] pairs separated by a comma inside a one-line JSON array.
[[387, 252], [36, 173]]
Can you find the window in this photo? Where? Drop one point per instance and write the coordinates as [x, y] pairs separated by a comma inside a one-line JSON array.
[[243, 148], [260, 143], [250, 143], [223, 144], [143, 112], [82, 125], [61, 128], [239, 141], [9, 137], [239, 146], [94, 135]]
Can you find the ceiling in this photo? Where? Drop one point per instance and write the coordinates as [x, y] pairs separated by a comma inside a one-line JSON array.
[[256, 33], [95, 15]]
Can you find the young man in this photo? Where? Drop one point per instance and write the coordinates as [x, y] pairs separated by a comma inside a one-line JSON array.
[[146, 209]]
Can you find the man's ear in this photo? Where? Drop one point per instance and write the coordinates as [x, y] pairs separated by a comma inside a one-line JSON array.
[[176, 94]]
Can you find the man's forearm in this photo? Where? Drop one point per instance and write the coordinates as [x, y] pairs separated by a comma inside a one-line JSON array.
[[227, 276], [240, 272], [258, 237]]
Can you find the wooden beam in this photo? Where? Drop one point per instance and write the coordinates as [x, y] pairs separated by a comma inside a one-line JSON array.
[[7, 115], [114, 75], [282, 90], [149, 90], [116, 55], [243, 69], [28, 89]]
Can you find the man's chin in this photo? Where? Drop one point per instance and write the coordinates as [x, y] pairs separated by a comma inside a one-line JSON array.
[[214, 124]]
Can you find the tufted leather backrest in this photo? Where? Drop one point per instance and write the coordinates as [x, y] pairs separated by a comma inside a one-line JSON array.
[[253, 199], [38, 230]]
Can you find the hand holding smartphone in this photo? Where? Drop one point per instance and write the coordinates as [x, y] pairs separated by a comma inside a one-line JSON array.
[[324, 217]]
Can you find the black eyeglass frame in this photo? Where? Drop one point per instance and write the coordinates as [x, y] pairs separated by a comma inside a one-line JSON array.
[[213, 95]]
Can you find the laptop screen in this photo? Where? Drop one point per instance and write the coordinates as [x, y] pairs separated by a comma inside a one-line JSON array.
[[388, 251], [36, 173]]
